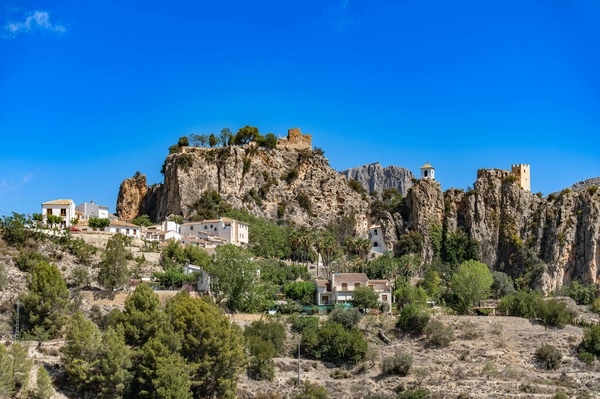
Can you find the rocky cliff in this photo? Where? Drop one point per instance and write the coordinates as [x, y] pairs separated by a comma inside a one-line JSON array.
[[292, 185], [548, 241], [374, 177], [582, 185]]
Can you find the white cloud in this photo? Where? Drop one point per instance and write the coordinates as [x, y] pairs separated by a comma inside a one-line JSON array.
[[37, 21], [14, 183]]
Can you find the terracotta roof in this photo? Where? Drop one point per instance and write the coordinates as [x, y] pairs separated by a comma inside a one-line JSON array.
[[59, 202], [379, 281], [427, 166], [350, 276], [122, 223], [322, 283]]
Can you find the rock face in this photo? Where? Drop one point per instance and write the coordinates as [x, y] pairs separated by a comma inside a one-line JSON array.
[[582, 185], [296, 186], [374, 177], [553, 240], [131, 194]]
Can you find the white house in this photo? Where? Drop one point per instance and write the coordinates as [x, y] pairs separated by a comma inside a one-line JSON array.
[[125, 228], [340, 288], [91, 210], [376, 237], [235, 232], [65, 208], [203, 282], [165, 231]]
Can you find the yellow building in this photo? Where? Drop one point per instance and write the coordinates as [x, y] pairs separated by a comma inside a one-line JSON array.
[[522, 172]]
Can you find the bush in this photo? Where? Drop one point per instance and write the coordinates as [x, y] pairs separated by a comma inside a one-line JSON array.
[[413, 319], [304, 202], [347, 317], [591, 341], [301, 323], [582, 294], [438, 334], [595, 306], [522, 304], [26, 260], [502, 285], [270, 331], [469, 330], [303, 291], [312, 391], [397, 364], [289, 307], [548, 356], [554, 313], [332, 342]]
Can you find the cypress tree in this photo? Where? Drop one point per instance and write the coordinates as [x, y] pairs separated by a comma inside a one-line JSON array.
[[113, 267]]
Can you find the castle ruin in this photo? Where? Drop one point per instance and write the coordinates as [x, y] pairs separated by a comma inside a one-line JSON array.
[[522, 172], [295, 140]]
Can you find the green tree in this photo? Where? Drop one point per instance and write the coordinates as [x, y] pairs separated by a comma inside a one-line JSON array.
[[225, 136], [410, 243], [183, 141], [143, 220], [502, 285], [113, 271], [471, 283], [303, 291], [245, 135], [199, 140], [44, 388], [80, 353], [270, 141], [212, 140], [347, 317], [332, 342], [21, 367], [270, 331], [142, 317], [431, 283], [6, 373], [172, 379], [413, 318], [365, 297], [98, 223], [210, 344], [46, 303], [114, 361], [233, 275], [210, 205], [53, 220]]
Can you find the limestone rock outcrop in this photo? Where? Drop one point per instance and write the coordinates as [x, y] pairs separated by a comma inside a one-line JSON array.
[[297, 186], [131, 196], [374, 177]]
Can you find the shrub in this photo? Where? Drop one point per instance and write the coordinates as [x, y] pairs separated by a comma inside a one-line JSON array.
[[522, 304], [26, 260], [469, 330], [303, 291], [595, 306], [419, 393], [581, 293], [356, 186], [332, 342], [289, 307], [438, 334], [347, 317], [312, 391], [555, 313], [413, 319], [270, 331], [591, 341], [548, 356], [291, 175], [397, 364], [300, 323], [502, 285], [304, 201]]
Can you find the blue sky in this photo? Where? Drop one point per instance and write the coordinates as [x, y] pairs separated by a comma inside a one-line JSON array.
[[93, 91]]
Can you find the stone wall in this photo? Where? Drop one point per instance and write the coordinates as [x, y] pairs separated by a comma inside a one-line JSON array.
[[295, 140]]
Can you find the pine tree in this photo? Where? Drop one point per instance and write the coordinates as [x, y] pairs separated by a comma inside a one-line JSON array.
[[211, 345], [113, 267], [114, 363], [172, 378], [6, 373], [21, 367], [44, 389], [47, 301], [142, 315], [80, 353]]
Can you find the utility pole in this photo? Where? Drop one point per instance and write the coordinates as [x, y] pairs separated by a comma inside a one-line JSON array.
[[299, 362]]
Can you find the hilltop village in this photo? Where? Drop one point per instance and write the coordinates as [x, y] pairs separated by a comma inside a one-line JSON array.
[[255, 270]]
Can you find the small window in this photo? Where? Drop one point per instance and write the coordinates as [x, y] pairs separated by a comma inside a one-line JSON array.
[[345, 286], [127, 231], [191, 227], [425, 174], [48, 211], [384, 297], [375, 244], [356, 285], [63, 212], [375, 232]]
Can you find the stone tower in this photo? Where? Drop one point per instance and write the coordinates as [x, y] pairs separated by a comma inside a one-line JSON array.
[[427, 171], [522, 172]]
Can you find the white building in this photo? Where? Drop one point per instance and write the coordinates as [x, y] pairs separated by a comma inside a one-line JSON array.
[[233, 231], [427, 171], [340, 288], [65, 208], [91, 210], [376, 237]]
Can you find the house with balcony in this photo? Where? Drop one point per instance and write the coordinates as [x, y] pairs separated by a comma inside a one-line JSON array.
[[65, 208], [340, 288], [233, 231]]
